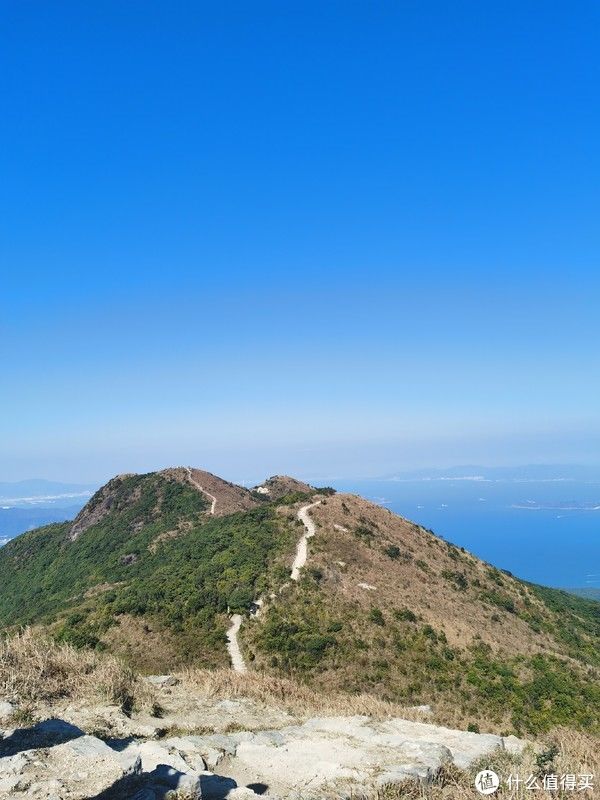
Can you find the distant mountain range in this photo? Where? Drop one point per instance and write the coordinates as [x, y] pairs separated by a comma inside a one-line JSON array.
[[525, 473], [41, 492], [154, 567], [28, 504]]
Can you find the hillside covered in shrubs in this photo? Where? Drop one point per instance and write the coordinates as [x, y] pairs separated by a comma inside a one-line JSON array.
[[382, 607]]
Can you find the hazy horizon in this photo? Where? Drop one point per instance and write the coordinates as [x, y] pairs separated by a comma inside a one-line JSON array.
[[513, 471]]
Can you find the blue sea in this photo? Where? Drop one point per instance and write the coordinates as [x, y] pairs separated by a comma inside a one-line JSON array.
[[544, 531]]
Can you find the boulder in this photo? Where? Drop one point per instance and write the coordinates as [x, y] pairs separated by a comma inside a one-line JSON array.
[[189, 784], [80, 768], [90, 750], [162, 680], [327, 753], [154, 755]]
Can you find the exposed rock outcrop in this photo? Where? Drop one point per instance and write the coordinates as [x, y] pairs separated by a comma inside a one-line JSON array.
[[301, 761], [101, 504]]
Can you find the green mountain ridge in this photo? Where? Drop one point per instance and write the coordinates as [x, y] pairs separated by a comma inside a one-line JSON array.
[[382, 605]]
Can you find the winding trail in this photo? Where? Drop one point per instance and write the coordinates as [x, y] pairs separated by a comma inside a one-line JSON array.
[[213, 499], [233, 646], [302, 549]]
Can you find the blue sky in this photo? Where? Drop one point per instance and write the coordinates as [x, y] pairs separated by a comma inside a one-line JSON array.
[[325, 238]]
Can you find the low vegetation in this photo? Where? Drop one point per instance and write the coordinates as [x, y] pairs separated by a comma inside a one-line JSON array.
[[486, 650], [383, 607], [402, 661], [157, 557], [34, 669], [292, 696], [38, 672]]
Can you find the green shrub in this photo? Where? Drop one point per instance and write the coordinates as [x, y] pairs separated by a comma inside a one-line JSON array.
[[365, 534], [458, 579], [501, 600], [376, 616], [405, 615]]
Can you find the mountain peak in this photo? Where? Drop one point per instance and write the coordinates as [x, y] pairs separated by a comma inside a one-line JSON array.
[[329, 587], [123, 492], [278, 486], [225, 497]]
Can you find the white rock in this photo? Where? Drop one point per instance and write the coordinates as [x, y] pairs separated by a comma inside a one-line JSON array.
[[6, 709], [14, 765], [82, 767], [198, 751], [154, 755], [327, 753], [514, 745], [465, 747], [422, 709], [90, 750], [337, 756], [163, 680], [402, 772], [9, 785]]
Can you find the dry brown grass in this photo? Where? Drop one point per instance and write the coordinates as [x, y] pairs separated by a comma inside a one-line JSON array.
[[560, 752], [34, 669], [401, 583], [295, 698]]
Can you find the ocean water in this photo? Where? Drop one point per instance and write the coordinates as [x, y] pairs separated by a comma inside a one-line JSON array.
[[547, 531], [14, 521]]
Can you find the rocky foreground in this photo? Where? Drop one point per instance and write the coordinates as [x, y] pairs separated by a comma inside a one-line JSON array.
[[216, 749]]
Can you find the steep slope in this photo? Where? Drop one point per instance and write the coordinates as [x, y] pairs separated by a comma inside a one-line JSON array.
[[146, 570], [385, 606], [125, 491], [380, 605]]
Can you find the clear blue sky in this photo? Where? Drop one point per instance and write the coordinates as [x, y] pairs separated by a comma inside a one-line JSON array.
[[331, 238]]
